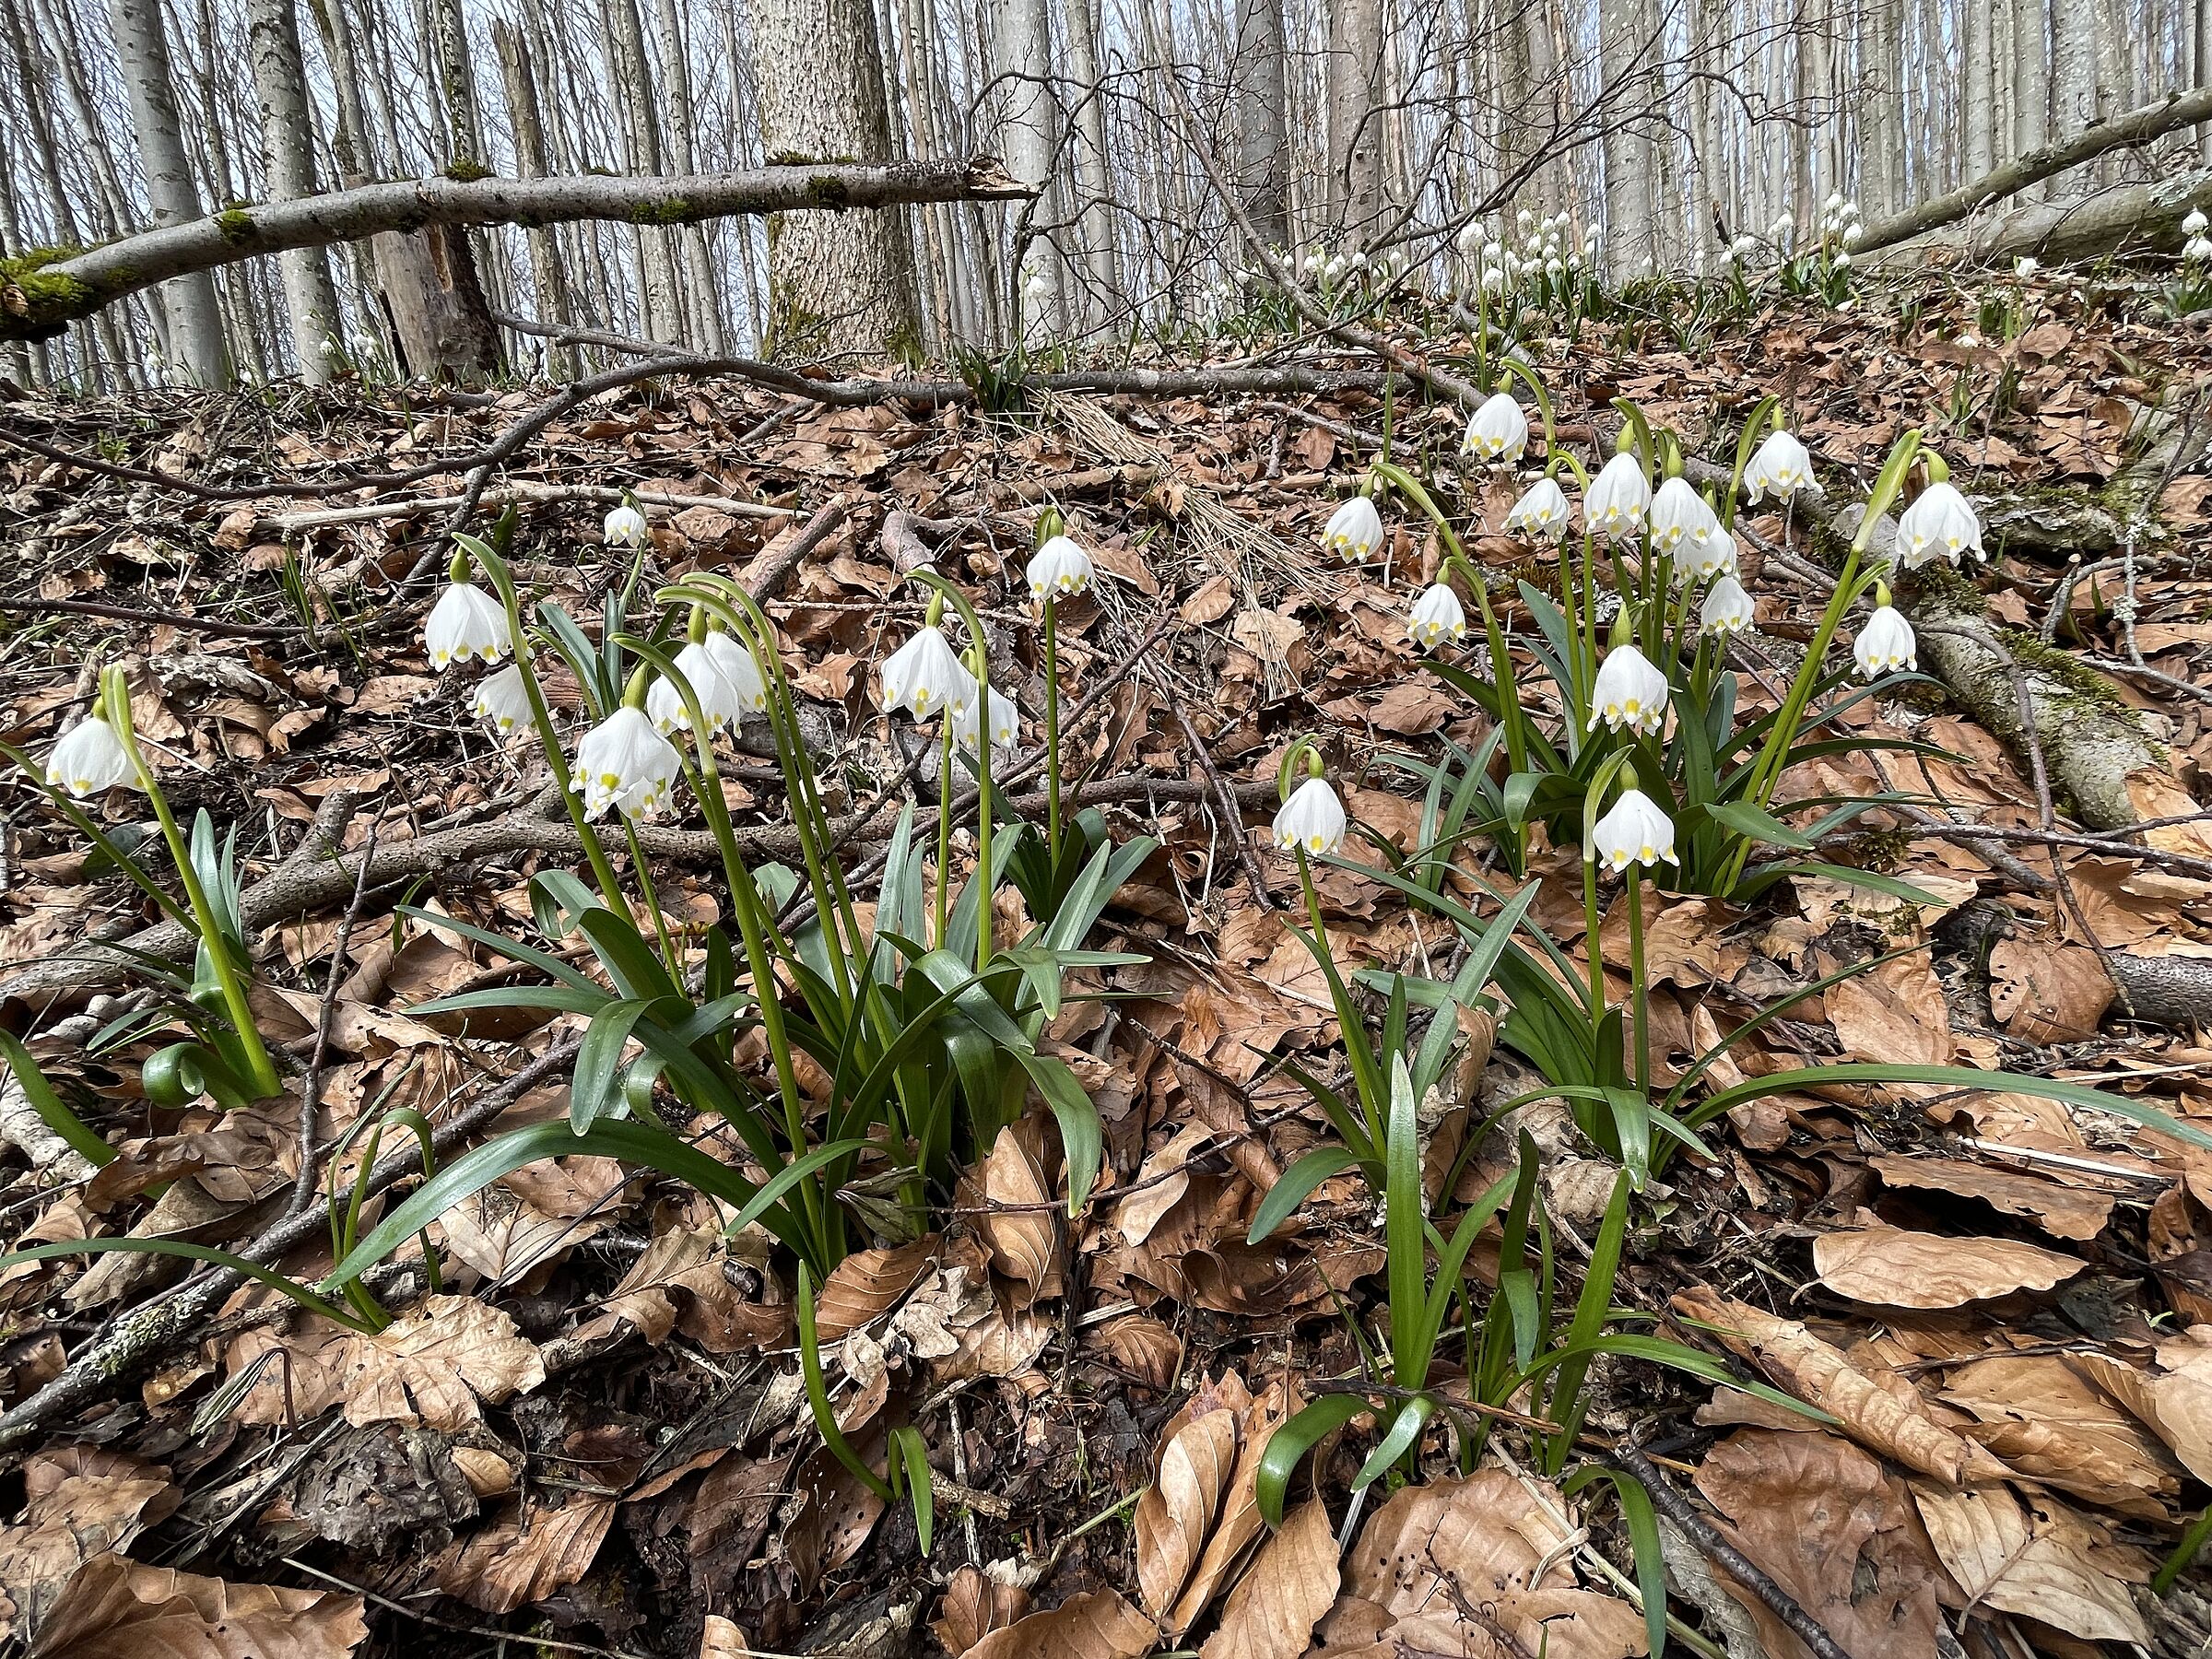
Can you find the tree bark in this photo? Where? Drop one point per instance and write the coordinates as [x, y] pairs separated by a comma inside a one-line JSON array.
[[702, 289], [630, 86], [287, 148], [546, 277], [837, 282], [1627, 153], [196, 321], [1263, 145], [42, 302], [1093, 170], [1023, 59], [1355, 156]]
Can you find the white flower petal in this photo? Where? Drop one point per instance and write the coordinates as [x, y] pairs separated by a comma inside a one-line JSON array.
[[467, 621], [925, 678], [1436, 615], [624, 763], [1061, 569], [1637, 831], [501, 701], [1354, 530], [1630, 692], [90, 759], [1313, 818], [625, 527]]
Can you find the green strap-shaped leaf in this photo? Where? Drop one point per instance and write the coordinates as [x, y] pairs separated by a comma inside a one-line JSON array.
[[1287, 1446], [1295, 1187]]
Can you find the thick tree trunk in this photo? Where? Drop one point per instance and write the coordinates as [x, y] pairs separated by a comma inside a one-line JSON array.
[[702, 291], [549, 281], [288, 147], [196, 321], [1263, 144], [1627, 153], [1355, 126], [837, 282]]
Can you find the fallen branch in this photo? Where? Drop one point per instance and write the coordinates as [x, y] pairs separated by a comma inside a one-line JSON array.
[[40, 302], [522, 492], [2130, 131]]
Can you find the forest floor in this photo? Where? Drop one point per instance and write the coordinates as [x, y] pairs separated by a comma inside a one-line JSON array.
[[595, 1438]]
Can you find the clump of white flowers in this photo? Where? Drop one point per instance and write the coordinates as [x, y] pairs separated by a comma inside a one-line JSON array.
[[2196, 247]]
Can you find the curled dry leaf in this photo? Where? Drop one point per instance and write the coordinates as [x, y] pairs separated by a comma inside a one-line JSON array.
[[976, 1603], [81, 1502], [1885, 1416], [1175, 1517], [527, 1557], [1830, 1527], [2045, 993], [116, 1608], [1146, 1347], [1893, 1267], [720, 1638], [1473, 1569], [2069, 1212], [2045, 1563], [1292, 1582], [2047, 1421], [1097, 1624], [867, 1284], [2175, 1400], [434, 1366], [1021, 1226]]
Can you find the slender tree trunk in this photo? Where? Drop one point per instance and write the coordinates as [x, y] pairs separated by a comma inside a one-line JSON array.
[[2073, 64], [701, 290], [1263, 146], [545, 273], [195, 322], [629, 77], [1355, 126], [1093, 172], [1627, 154], [1979, 90], [917, 51], [1024, 61], [837, 281], [287, 148]]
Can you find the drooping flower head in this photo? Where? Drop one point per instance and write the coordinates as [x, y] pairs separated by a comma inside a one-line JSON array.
[[1496, 432], [1677, 513], [90, 759], [1884, 644], [737, 668], [1636, 831], [1354, 530], [1707, 555], [467, 621], [626, 526], [1727, 609], [1312, 820], [718, 699], [1061, 569], [625, 764], [1780, 469], [925, 678], [1541, 510], [1630, 692], [501, 701], [1940, 523], [1005, 721], [1620, 496], [1436, 615]]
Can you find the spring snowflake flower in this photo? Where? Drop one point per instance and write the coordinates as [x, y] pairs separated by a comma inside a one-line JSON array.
[[924, 676], [1780, 469], [625, 764], [2024, 267], [625, 527], [718, 699], [1061, 569], [1006, 722], [1635, 832], [1618, 497], [1702, 557], [2195, 224], [738, 667], [1354, 530], [1630, 692], [1677, 513], [89, 759], [501, 701], [1884, 644], [1938, 524], [467, 621], [1436, 615], [1542, 511], [2197, 251], [1496, 432], [1312, 818], [1727, 609]]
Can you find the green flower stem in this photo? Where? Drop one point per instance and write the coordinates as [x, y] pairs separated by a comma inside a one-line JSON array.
[[983, 809], [1593, 922], [944, 894], [261, 1071], [1052, 723], [670, 956], [541, 718], [1640, 989], [1373, 1094]]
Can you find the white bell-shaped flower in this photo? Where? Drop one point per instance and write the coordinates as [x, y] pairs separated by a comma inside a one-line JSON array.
[[2024, 267], [1354, 530], [1006, 722], [1940, 523], [502, 700], [1727, 609], [738, 667], [1630, 692], [1496, 432], [1061, 569], [467, 621], [2194, 223], [1701, 558], [2198, 250], [1677, 513], [1637, 831], [625, 764], [1780, 469], [1541, 510], [89, 759], [1436, 615], [625, 527], [924, 678], [1884, 644], [718, 699], [1619, 497], [1312, 818]]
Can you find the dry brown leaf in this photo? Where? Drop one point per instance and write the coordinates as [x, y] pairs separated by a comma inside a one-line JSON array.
[[2045, 1419], [2070, 1212], [81, 1502], [1097, 1624], [1024, 1236], [1144, 1346], [720, 1638], [1893, 1267], [1833, 1530], [866, 1285], [2047, 993], [1271, 1613], [116, 1608], [1239, 1523], [1435, 1550], [433, 1366], [1175, 1516], [976, 1603], [528, 1556], [2175, 1400], [2043, 1565], [1896, 1424]]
